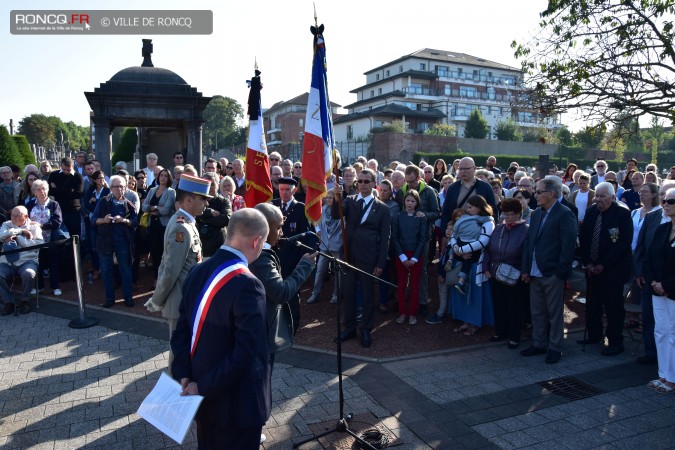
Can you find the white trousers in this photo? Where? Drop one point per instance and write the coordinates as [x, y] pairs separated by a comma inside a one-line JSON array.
[[664, 335]]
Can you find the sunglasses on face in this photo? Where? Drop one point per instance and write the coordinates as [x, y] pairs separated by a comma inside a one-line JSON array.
[[669, 201], [364, 181], [540, 192]]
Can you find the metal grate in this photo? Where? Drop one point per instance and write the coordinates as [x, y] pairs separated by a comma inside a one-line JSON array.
[[571, 388]]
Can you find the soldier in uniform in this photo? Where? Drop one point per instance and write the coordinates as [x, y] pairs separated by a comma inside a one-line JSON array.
[[182, 249], [295, 222]]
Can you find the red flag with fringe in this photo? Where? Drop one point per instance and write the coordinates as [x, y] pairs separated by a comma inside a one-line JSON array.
[[258, 183]]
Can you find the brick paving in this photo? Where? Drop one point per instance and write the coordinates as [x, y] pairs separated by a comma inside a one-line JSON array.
[[64, 388]]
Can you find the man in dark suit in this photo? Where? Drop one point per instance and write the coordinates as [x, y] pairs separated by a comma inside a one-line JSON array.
[[228, 362], [548, 252], [645, 238], [367, 232], [605, 239], [563, 201], [279, 291], [466, 185], [295, 222]]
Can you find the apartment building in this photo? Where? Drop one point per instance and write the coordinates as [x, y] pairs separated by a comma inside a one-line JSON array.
[[437, 86], [284, 122]]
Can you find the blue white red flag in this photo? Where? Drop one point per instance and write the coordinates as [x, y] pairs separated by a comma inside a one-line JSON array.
[[318, 143]]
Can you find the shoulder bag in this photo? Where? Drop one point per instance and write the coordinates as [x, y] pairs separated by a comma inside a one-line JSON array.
[[506, 273]]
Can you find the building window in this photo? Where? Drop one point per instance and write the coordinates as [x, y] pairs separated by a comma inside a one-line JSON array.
[[301, 122], [468, 92], [400, 69], [423, 66], [447, 91], [372, 94], [350, 132], [379, 91], [377, 76], [387, 73]]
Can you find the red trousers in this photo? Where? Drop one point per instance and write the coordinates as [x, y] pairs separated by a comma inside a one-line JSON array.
[[402, 278]]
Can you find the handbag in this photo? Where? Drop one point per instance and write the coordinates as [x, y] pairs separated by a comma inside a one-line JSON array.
[[506, 273], [145, 220]]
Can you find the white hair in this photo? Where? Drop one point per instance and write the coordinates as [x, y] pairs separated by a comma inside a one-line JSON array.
[[605, 186]]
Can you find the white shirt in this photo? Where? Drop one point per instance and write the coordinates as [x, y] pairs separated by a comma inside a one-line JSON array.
[[581, 202], [367, 203]]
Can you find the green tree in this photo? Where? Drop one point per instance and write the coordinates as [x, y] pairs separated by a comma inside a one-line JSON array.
[[9, 154], [608, 58], [507, 130], [476, 126], [441, 129], [396, 126], [127, 146], [38, 129], [22, 145], [591, 135], [565, 136], [220, 121]]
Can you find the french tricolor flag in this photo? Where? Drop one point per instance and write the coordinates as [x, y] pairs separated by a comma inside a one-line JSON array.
[[318, 143]]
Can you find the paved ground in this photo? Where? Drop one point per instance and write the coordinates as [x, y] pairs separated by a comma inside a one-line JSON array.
[[67, 388]]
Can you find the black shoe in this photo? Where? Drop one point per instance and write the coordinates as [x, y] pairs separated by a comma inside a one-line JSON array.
[[588, 341], [9, 309], [553, 357], [345, 335], [460, 288], [612, 350], [422, 310], [129, 303], [108, 304], [647, 360], [365, 339], [497, 338], [532, 351]]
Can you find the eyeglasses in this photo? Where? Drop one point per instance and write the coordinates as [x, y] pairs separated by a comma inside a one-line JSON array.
[[524, 185], [297, 167], [669, 201], [274, 159], [229, 167], [465, 168], [178, 157], [117, 186], [364, 181], [541, 192], [600, 166]]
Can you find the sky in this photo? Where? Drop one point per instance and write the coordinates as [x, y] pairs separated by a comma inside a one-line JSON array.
[[48, 74]]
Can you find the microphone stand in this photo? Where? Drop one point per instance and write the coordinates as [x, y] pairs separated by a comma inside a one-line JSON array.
[[341, 426]]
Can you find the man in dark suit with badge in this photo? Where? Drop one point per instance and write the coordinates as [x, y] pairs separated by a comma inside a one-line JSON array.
[[548, 252], [605, 240], [367, 232], [220, 341], [295, 222]]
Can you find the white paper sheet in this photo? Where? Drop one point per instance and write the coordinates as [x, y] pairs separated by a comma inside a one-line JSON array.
[[166, 410]]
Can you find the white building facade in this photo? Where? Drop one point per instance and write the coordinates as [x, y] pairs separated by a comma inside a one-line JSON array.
[[436, 86]]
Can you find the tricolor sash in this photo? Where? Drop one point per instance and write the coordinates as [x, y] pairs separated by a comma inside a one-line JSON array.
[[218, 279]]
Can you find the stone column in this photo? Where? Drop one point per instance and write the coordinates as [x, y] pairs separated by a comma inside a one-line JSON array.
[[103, 142], [194, 144]]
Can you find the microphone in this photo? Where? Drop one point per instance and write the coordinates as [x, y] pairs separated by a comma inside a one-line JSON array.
[[284, 242]]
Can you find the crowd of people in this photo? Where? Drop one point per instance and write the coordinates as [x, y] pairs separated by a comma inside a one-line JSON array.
[[500, 245]]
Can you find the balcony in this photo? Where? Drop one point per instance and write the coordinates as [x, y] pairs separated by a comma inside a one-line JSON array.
[[457, 94], [477, 78], [274, 130]]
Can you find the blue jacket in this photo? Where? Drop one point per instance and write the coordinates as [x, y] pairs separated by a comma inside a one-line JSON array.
[[231, 362]]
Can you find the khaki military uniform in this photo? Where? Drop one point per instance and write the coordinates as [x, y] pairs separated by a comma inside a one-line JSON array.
[[182, 250]]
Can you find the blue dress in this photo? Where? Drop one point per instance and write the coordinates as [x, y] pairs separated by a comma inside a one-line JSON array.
[[474, 308]]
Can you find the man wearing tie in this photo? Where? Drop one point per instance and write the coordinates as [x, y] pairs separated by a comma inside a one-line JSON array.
[[605, 240], [548, 252], [367, 231], [295, 222]]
